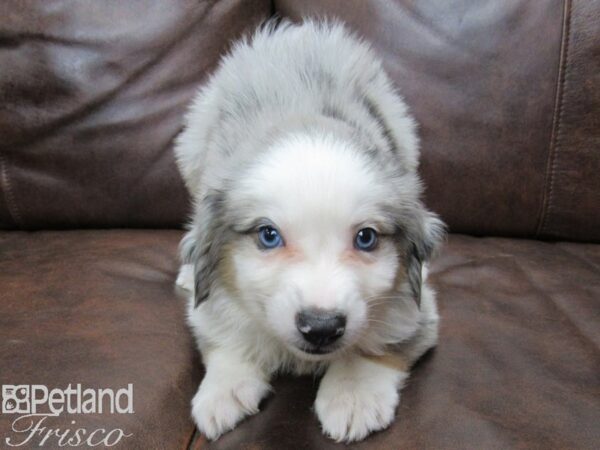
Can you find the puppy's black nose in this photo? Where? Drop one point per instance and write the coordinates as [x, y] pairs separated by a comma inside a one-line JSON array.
[[319, 327]]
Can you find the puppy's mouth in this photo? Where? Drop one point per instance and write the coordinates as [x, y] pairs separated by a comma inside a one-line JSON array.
[[319, 350]]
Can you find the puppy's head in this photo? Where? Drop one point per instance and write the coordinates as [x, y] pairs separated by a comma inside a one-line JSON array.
[[320, 242]]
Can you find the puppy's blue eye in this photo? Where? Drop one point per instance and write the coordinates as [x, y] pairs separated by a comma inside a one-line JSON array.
[[366, 240], [269, 237]]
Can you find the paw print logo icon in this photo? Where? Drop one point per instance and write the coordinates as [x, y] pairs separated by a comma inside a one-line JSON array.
[[15, 399]]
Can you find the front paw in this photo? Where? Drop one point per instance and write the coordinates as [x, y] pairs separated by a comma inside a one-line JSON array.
[[351, 407], [219, 405]]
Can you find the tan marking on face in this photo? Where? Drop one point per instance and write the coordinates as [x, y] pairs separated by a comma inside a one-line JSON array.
[[391, 360], [227, 273], [354, 256], [286, 253], [401, 273]]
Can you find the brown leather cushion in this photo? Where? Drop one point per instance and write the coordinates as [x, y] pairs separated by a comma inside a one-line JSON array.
[[516, 367], [92, 95], [99, 308], [507, 95]]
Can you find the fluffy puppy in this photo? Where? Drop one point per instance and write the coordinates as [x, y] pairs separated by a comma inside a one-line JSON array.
[[306, 248]]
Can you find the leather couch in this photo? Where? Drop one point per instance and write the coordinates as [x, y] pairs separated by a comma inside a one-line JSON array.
[[507, 94]]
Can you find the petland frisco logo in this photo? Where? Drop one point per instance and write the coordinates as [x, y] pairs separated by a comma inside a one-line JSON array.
[[37, 407]]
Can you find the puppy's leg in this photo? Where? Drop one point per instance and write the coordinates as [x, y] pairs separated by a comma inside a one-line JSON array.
[[357, 396], [187, 247], [185, 279], [231, 390]]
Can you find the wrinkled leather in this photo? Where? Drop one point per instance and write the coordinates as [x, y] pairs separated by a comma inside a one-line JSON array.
[[99, 308], [508, 148], [517, 364], [92, 95], [506, 93], [572, 202]]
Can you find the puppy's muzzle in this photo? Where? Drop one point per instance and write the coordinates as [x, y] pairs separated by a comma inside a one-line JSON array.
[[320, 328]]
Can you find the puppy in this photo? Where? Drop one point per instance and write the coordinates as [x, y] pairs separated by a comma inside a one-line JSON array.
[[306, 248]]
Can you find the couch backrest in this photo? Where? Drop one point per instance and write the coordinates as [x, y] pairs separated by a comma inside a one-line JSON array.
[[92, 94], [507, 95]]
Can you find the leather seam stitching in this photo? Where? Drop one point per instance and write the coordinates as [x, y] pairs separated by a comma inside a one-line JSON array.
[[556, 133], [11, 203], [192, 440]]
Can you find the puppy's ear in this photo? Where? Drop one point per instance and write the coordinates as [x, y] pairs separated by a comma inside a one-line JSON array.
[[422, 246], [211, 235]]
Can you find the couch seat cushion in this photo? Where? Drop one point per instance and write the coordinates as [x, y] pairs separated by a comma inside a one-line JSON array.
[[517, 365], [98, 308]]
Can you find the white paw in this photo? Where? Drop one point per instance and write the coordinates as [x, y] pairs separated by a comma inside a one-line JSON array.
[[217, 407], [185, 279], [351, 406]]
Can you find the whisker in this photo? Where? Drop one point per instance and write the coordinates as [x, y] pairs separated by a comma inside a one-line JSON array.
[[383, 302], [389, 324], [374, 306]]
